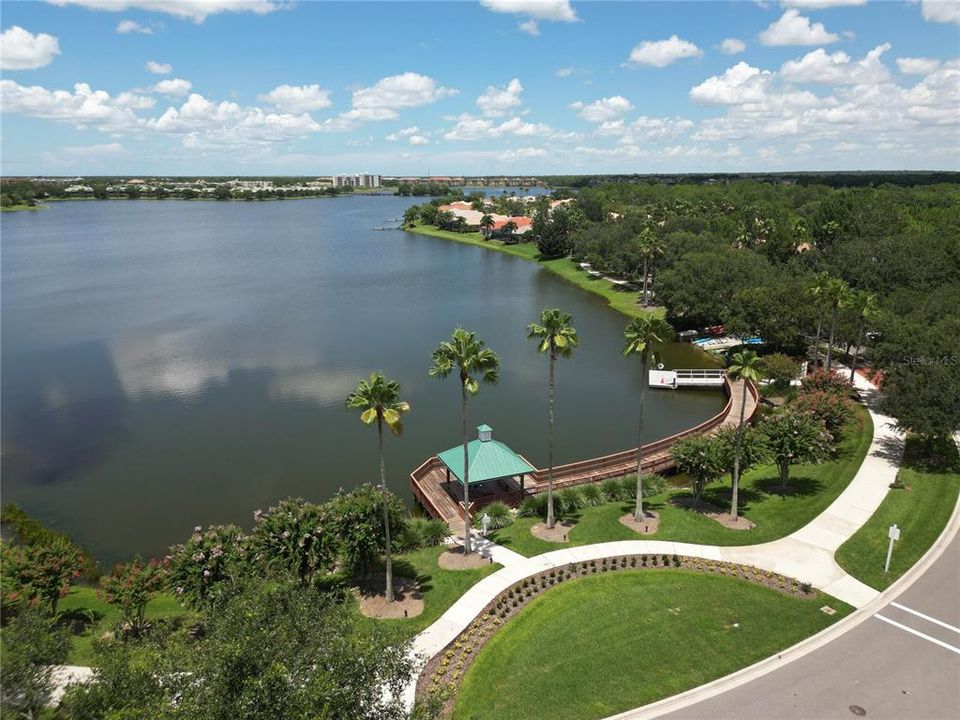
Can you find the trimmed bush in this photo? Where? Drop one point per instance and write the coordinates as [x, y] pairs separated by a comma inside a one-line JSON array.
[[653, 484], [418, 532], [569, 500], [534, 506], [593, 495], [612, 489]]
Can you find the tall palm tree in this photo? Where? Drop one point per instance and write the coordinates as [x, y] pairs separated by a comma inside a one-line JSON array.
[[640, 336], [746, 366], [509, 228], [465, 354], [379, 400], [650, 249], [866, 307], [837, 297], [486, 223], [817, 290], [558, 338]]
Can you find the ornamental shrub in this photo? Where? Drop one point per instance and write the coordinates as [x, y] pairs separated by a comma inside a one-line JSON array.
[[295, 538], [593, 495], [357, 518], [500, 516], [40, 574], [570, 500], [834, 411], [419, 532], [131, 586], [653, 484], [205, 570], [32, 645], [612, 489], [534, 506], [822, 381]]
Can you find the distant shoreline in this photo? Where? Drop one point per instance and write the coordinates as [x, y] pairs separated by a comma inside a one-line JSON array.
[[624, 302], [45, 204]]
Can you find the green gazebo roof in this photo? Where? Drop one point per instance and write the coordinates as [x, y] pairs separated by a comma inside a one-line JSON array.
[[489, 459]]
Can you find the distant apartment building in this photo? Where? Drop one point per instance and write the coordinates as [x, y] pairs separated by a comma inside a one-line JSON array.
[[252, 184], [359, 180]]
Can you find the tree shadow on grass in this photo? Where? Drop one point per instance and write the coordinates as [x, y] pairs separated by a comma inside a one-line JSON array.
[[797, 486], [723, 496], [938, 455], [891, 448], [78, 620]]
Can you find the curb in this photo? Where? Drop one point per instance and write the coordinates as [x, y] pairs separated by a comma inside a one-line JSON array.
[[804, 647]]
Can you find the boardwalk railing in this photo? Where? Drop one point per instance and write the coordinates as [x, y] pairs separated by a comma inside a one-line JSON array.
[[656, 458]]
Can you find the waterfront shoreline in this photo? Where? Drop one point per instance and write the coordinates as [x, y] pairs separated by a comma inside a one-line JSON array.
[[622, 301]]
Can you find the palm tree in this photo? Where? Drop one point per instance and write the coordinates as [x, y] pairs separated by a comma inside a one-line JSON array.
[[746, 366], [379, 400], [486, 223], [837, 296], [640, 335], [817, 290], [866, 307], [650, 249], [558, 338], [465, 353], [509, 228]]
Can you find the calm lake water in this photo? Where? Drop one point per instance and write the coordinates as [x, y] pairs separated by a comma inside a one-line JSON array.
[[171, 364]]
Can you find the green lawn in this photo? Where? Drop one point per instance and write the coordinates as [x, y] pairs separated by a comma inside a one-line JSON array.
[[441, 588], [921, 510], [601, 645], [91, 617], [620, 300], [815, 487]]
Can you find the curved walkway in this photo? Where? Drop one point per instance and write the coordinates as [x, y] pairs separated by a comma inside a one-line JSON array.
[[805, 555]]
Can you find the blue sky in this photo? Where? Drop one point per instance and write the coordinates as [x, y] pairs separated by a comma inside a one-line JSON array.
[[496, 86]]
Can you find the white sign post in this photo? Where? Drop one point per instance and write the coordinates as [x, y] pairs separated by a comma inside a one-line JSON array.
[[894, 534], [485, 521]]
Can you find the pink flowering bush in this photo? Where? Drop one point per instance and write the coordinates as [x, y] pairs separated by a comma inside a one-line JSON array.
[[831, 409], [131, 586], [794, 437], [296, 538], [39, 574], [205, 569], [827, 382]]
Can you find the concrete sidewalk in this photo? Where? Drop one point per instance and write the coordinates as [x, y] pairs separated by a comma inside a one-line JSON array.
[[806, 555]]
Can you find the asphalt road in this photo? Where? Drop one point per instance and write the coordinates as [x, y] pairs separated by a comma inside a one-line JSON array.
[[877, 670]]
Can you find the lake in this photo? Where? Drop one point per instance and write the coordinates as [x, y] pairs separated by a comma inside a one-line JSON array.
[[167, 364]]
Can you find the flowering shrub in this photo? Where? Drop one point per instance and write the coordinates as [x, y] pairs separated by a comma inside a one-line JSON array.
[[294, 537], [831, 409], [131, 586], [795, 437], [40, 574], [203, 569], [827, 382], [358, 519]]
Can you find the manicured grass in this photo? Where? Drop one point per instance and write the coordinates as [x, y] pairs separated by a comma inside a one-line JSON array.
[[441, 588], [91, 617], [624, 301], [921, 510], [15, 208], [814, 487], [601, 645]]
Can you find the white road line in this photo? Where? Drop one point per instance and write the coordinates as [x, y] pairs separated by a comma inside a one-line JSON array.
[[919, 634], [941, 623]]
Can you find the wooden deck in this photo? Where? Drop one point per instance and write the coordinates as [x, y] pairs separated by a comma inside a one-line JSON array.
[[444, 501]]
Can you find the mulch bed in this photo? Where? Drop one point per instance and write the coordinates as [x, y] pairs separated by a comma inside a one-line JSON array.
[[457, 559], [442, 674], [646, 526], [714, 513], [558, 534], [407, 598]]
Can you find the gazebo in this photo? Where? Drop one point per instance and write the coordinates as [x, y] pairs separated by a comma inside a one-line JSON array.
[[488, 460]]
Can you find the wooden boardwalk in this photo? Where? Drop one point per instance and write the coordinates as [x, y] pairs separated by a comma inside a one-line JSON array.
[[444, 501]]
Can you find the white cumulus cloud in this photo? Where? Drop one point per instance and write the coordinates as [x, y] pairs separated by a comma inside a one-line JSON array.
[[497, 101], [130, 26], [608, 108], [942, 11], [837, 68], [383, 99], [522, 154], [660, 53], [22, 50], [794, 29], [740, 84], [298, 98], [158, 68], [174, 87], [195, 10], [556, 10], [917, 66], [732, 46]]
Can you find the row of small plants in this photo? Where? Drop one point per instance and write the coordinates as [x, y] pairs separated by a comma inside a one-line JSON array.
[[569, 501], [442, 674]]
